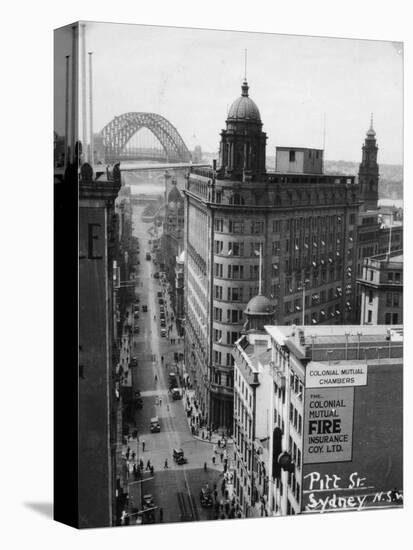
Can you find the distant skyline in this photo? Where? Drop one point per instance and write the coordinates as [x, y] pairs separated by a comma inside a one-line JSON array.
[[192, 76]]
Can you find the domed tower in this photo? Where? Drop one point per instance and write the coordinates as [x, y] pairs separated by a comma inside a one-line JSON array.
[[369, 171], [259, 312], [175, 199], [242, 147]]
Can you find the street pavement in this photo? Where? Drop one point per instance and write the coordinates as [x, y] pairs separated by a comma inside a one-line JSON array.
[[175, 488]]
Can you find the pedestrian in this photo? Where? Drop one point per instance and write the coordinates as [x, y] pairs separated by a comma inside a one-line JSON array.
[[167, 407], [143, 445], [156, 378], [133, 455], [219, 443], [205, 466], [160, 401], [160, 515], [166, 464], [141, 464], [151, 468], [213, 459], [127, 453], [148, 465], [226, 495], [222, 456], [162, 359]]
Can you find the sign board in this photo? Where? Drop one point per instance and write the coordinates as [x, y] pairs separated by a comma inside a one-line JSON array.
[[320, 375], [328, 425]]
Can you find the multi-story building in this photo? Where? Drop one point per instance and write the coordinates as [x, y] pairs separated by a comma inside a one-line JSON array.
[[332, 439], [381, 288], [99, 406], [173, 229], [302, 221], [179, 304], [252, 386]]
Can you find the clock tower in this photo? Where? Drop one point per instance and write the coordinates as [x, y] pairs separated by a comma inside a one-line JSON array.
[[369, 171]]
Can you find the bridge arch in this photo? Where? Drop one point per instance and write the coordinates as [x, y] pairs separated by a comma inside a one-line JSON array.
[[119, 131]]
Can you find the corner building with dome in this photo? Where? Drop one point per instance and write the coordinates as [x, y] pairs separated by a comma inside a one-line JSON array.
[[302, 221]]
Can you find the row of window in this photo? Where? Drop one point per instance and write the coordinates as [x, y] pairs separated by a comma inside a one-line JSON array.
[[311, 249], [296, 419], [233, 315], [231, 337], [229, 362], [238, 226], [295, 452]]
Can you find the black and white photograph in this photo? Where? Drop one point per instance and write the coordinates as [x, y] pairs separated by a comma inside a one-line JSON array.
[[239, 271]]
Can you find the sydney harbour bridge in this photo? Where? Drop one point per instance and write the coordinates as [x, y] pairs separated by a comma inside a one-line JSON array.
[[121, 140]]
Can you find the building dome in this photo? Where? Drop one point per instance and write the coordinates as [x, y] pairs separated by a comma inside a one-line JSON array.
[[243, 108], [174, 194], [259, 305]]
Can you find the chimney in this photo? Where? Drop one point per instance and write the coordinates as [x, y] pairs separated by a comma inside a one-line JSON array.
[[66, 150], [92, 144], [84, 116], [74, 94]]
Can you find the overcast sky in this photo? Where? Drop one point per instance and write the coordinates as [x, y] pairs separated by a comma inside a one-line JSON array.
[[192, 76]]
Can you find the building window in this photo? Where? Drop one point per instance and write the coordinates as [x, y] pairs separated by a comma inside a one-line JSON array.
[[218, 247], [395, 318], [235, 272], [257, 226], [276, 248], [219, 225], [369, 316], [292, 156], [236, 226], [234, 316], [218, 270], [236, 198], [218, 292], [389, 299], [276, 226], [235, 294], [217, 314], [235, 249]]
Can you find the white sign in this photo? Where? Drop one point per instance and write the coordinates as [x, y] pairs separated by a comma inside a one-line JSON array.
[[328, 425], [322, 375]]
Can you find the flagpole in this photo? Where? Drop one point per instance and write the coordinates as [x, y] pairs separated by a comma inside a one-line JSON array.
[[259, 287]]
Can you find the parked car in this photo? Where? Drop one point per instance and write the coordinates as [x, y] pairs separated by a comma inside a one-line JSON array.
[[163, 323], [163, 332], [156, 275], [159, 294], [162, 309], [148, 256], [136, 329], [161, 301], [145, 309]]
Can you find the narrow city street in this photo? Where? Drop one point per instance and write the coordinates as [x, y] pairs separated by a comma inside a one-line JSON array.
[[175, 488]]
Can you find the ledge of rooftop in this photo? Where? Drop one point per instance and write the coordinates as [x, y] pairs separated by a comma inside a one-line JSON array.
[[333, 333]]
